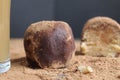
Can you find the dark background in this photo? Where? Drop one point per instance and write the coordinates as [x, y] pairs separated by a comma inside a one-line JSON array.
[[74, 12]]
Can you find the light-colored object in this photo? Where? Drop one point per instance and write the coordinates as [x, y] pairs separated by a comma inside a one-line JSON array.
[[4, 35], [85, 69], [49, 44], [101, 37]]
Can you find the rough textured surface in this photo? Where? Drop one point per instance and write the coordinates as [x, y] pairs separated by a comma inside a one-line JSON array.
[[103, 68], [101, 37], [49, 44]]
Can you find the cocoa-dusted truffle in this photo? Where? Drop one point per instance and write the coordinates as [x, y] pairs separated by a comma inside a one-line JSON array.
[[101, 37], [49, 44]]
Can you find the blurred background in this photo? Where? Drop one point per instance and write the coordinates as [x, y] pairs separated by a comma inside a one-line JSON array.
[[74, 12]]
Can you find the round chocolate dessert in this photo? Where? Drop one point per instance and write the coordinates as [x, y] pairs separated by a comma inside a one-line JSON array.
[[49, 44], [101, 37]]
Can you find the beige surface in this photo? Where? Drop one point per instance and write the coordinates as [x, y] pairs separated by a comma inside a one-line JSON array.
[[104, 68]]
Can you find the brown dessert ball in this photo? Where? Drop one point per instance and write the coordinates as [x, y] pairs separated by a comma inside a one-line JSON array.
[[49, 44], [101, 37]]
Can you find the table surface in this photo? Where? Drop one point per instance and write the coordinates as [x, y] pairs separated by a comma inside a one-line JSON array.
[[103, 68]]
